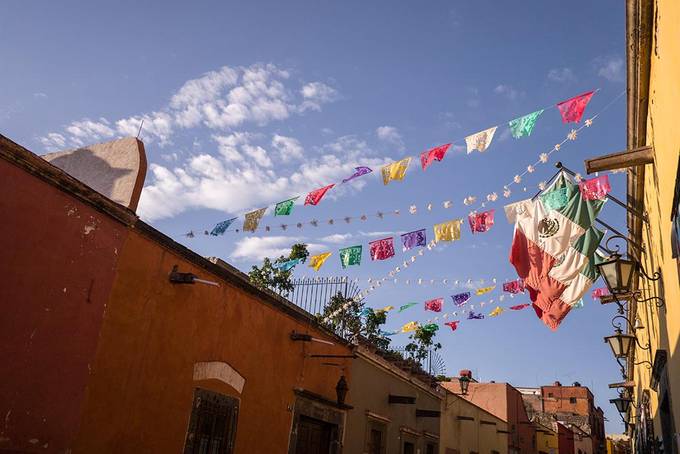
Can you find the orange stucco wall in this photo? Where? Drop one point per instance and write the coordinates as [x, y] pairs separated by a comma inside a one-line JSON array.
[[141, 389], [57, 261]]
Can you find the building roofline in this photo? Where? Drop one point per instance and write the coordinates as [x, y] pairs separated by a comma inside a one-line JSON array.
[[33, 164]]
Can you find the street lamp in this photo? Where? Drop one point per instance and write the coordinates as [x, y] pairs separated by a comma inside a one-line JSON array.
[[621, 343], [622, 403], [464, 381], [341, 390], [617, 273]]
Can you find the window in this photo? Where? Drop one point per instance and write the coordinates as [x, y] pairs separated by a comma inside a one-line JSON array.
[[409, 448], [212, 426], [572, 400], [431, 448], [550, 394], [377, 438]]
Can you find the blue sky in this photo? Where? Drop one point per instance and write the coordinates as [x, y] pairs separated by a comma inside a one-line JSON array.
[[246, 104]]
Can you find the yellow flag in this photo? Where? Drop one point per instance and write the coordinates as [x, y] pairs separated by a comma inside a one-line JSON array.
[[395, 171], [483, 290], [317, 261], [386, 309], [253, 220], [447, 231], [410, 326], [496, 312]]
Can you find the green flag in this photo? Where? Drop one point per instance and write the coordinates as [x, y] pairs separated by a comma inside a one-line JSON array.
[[523, 126], [284, 208], [431, 327], [406, 306], [350, 256]]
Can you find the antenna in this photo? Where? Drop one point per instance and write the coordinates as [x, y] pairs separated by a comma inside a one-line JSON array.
[[140, 128]]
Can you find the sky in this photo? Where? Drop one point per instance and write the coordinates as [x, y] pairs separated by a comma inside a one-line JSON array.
[[246, 104]]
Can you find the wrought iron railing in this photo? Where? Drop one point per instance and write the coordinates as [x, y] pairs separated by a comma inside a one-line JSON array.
[[314, 293]]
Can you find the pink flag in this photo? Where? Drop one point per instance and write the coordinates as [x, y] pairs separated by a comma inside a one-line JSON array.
[[572, 109], [435, 154], [481, 222], [599, 293], [516, 286], [453, 325], [434, 305], [382, 249], [315, 197], [519, 307], [596, 188]]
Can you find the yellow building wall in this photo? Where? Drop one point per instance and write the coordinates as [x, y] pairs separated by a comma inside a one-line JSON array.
[[464, 436], [662, 328], [547, 441]]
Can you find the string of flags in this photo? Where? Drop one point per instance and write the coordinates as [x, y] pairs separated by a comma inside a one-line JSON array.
[[571, 111]]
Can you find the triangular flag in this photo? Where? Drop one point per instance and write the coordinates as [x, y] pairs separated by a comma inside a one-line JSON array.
[[317, 261], [285, 208], [496, 312], [523, 126], [315, 197], [287, 265], [220, 228], [435, 154], [453, 325], [481, 140], [483, 290], [395, 171], [406, 306], [253, 220], [572, 109]]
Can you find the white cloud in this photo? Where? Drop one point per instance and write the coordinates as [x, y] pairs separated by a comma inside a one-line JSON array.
[[53, 141], [336, 238], [221, 100], [255, 248], [507, 91], [316, 94], [39, 95], [288, 147], [611, 68], [391, 135], [561, 75], [239, 177]]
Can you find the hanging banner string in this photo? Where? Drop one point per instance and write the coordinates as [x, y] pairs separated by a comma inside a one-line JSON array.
[[571, 110]]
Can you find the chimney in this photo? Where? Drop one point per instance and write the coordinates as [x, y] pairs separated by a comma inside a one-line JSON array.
[[557, 383], [577, 384]]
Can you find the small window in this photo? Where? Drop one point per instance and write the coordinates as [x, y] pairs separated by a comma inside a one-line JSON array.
[[212, 426], [431, 448], [409, 448], [550, 394], [572, 400], [377, 438]]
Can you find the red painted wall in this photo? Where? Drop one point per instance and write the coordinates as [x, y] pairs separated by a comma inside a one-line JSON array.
[[57, 262], [565, 439], [141, 390]]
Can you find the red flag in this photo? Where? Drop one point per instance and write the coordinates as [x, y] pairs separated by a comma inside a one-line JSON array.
[[434, 305], [481, 222], [519, 307], [453, 325], [516, 286], [315, 197], [572, 109], [598, 293], [382, 249], [596, 188], [435, 154]]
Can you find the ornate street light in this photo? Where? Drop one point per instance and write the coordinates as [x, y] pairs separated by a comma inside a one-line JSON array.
[[621, 343], [622, 403], [464, 381], [341, 390]]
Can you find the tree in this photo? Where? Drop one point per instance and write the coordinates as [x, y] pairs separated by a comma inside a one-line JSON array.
[[348, 321], [374, 320], [277, 279], [422, 341]]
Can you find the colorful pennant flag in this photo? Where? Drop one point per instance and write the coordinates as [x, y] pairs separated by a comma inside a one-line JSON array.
[[221, 227], [435, 154], [287, 265], [317, 261], [414, 239], [253, 220], [519, 307], [350, 256], [514, 287], [599, 293], [285, 208], [431, 327], [315, 197], [555, 199], [595, 188], [395, 171], [473, 316], [358, 172], [480, 141], [484, 290], [496, 312], [409, 327], [434, 305], [461, 298], [522, 126], [388, 333], [481, 222], [453, 325], [382, 249], [406, 306], [385, 309], [578, 304], [572, 109], [447, 231]]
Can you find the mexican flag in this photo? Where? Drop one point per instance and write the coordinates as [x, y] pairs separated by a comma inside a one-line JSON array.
[[552, 247]]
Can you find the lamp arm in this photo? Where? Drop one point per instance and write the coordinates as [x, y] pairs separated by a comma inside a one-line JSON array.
[[618, 325], [646, 363], [623, 368], [654, 277], [658, 301]]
